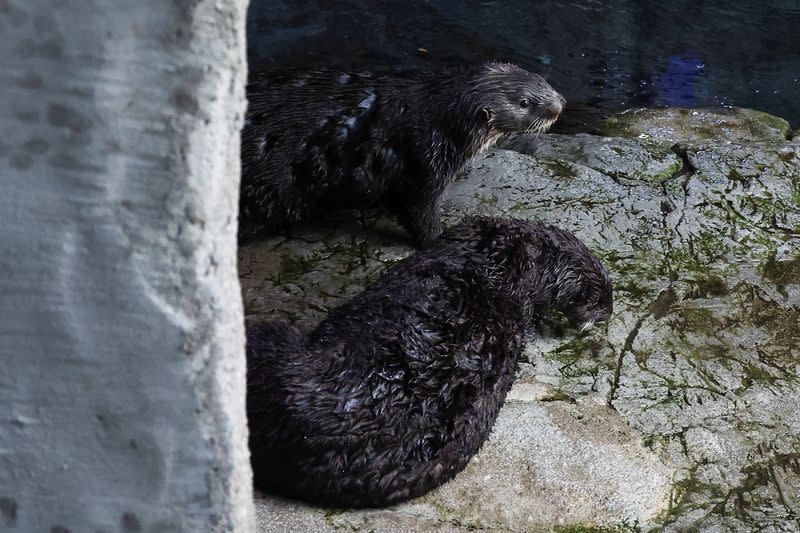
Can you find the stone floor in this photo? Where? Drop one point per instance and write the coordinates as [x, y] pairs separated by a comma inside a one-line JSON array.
[[683, 413]]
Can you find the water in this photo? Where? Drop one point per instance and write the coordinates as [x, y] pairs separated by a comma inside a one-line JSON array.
[[602, 55]]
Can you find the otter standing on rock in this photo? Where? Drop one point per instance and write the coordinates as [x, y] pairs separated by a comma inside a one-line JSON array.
[[325, 139], [397, 389]]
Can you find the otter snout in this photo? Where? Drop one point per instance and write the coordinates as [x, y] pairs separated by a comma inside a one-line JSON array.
[[556, 106]]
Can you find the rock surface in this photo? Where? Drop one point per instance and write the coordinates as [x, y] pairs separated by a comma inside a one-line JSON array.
[[682, 414], [697, 125]]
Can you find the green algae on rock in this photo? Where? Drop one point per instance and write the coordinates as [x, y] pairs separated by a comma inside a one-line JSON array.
[[624, 159], [673, 125]]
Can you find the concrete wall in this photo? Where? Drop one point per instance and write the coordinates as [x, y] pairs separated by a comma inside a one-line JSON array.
[[121, 331]]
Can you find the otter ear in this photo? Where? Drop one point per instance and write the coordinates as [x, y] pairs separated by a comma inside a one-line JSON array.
[[488, 113]]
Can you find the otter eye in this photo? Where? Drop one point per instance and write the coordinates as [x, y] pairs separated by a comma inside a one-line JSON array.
[[524, 102]]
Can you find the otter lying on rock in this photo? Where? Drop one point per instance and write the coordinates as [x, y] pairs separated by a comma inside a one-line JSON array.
[[397, 389], [325, 139]]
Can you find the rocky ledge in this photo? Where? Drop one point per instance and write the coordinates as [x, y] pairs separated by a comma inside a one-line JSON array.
[[683, 412]]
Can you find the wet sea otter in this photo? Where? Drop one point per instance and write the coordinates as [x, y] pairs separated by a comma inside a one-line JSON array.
[[325, 139], [397, 389]]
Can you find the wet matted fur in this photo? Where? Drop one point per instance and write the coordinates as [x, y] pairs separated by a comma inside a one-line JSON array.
[[397, 389], [319, 140]]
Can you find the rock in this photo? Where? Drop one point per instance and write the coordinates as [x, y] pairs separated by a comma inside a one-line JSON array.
[[673, 125], [683, 412], [301, 278], [557, 463], [620, 158], [277, 515]]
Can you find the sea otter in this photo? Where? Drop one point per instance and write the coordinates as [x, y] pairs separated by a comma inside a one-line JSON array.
[[320, 140], [397, 389]]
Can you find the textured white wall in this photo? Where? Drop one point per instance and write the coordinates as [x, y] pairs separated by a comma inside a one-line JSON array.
[[121, 330]]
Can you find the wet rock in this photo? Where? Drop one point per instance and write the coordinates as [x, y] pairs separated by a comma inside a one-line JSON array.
[[681, 413], [302, 276], [277, 515], [624, 159], [543, 466], [673, 125]]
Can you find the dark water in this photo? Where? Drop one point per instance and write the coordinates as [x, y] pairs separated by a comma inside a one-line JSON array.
[[603, 56]]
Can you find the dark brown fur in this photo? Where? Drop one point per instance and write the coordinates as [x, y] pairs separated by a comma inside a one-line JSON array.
[[397, 389], [320, 140]]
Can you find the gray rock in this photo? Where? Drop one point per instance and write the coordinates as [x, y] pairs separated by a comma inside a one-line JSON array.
[[624, 159], [682, 413], [696, 125], [557, 463], [302, 277]]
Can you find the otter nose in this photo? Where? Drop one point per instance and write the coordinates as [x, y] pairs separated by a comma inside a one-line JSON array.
[[557, 106]]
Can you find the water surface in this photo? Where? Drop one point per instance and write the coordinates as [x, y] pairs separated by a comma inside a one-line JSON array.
[[602, 55]]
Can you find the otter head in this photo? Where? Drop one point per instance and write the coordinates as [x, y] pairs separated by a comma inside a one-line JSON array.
[[582, 288], [515, 100]]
